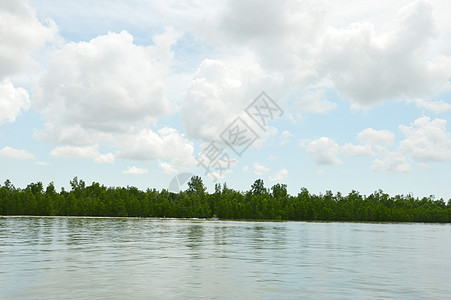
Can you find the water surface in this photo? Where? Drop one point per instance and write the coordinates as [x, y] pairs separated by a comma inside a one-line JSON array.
[[128, 258]]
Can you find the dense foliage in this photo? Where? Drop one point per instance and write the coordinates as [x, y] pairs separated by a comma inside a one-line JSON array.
[[225, 203]]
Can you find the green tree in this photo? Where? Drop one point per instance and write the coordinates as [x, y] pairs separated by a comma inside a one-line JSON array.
[[279, 191], [196, 186], [258, 188]]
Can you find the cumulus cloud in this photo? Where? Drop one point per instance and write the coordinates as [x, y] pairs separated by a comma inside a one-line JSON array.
[[83, 152], [74, 135], [207, 108], [391, 162], [368, 67], [391, 65], [242, 24], [167, 168], [135, 171], [108, 84], [177, 165], [15, 153], [108, 91], [219, 91], [106, 158], [12, 101], [280, 175], [324, 151], [280, 33], [21, 34], [314, 101], [173, 150], [148, 145], [349, 149], [426, 140], [437, 106], [363, 63], [376, 137], [260, 169]]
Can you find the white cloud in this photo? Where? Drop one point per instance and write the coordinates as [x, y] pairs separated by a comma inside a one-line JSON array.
[[260, 169], [135, 171], [71, 135], [75, 152], [177, 165], [218, 175], [106, 85], [314, 101], [167, 168], [148, 145], [12, 101], [313, 45], [369, 67], [269, 134], [438, 106], [82, 152], [104, 158], [349, 149], [391, 162], [220, 91], [285, 137], [376, 137], [280, 33], [280, 175], [41, 163], [20, 34], [108, 91], [173, 150], [286, 134], [426, 140], [15, 153], [324, 151]]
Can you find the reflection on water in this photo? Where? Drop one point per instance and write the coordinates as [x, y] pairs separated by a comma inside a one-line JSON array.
[[126, 258]]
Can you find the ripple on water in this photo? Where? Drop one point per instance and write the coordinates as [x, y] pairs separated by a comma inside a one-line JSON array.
[[121, 258]]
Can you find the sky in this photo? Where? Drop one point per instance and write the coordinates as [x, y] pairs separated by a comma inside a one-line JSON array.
[[326, 95]]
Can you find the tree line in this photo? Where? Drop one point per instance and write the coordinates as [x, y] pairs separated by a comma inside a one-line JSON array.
[[258, 202]]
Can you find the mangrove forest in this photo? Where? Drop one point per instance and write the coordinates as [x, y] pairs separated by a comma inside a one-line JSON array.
[[258, 203]]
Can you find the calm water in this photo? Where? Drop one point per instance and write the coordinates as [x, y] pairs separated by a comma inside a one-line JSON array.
[[103, 258]]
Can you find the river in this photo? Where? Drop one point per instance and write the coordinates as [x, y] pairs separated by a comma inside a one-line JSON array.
[[131, 258]]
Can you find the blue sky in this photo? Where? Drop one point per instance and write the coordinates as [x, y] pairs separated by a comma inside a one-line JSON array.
[[134, 92]]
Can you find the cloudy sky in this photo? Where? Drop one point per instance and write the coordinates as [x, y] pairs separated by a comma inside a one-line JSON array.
[[136, 92]]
